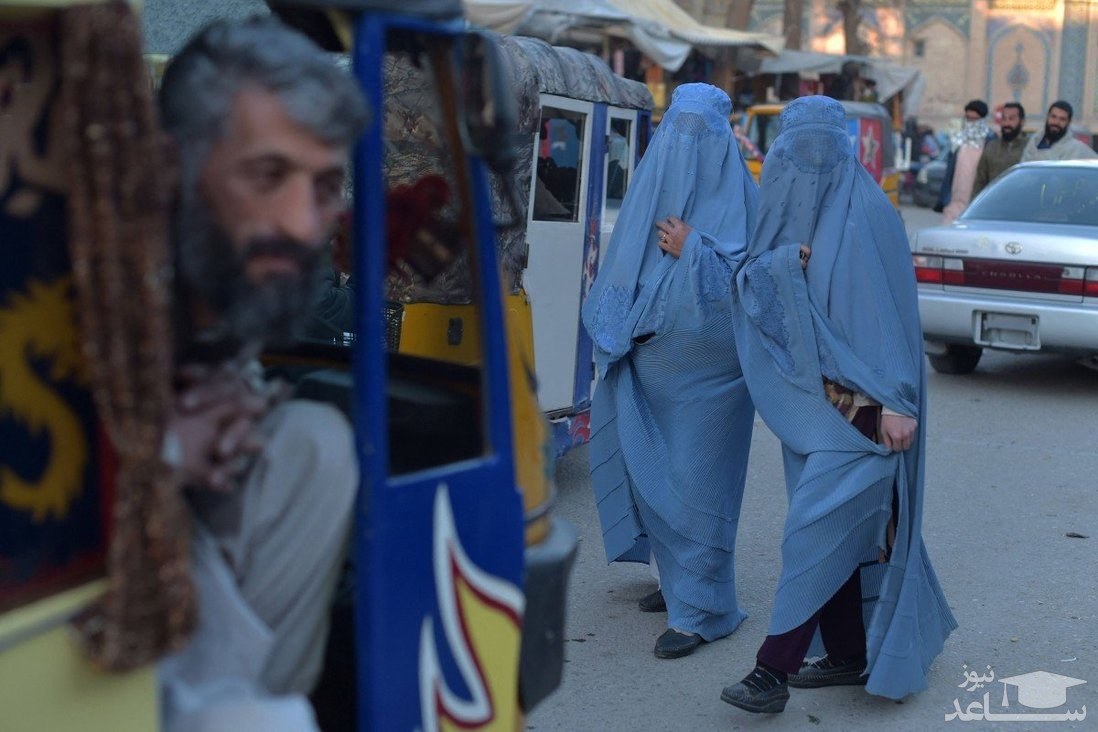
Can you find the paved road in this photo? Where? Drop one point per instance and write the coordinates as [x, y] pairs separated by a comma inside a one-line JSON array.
[[1011, 471]]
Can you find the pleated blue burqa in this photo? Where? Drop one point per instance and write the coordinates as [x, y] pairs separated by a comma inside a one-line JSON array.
[[852, 317], [671, 416]]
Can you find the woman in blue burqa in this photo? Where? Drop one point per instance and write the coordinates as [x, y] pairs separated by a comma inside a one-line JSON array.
[[829, 337], [671, 417]]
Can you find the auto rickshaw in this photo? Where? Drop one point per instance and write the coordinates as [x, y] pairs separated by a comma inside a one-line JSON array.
[[581, 131], [870, 128], [452, 609]]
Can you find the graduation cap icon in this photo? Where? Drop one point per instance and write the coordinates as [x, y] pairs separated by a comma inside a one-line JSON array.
[[1040, 689]]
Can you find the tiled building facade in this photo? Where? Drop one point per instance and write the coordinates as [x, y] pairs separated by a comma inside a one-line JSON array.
[[1031, 51]]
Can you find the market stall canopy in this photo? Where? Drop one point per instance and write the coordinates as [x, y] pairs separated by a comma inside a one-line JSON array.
[[433, 9], [680, 24], [659, 28], [891, 77], [502, 16]]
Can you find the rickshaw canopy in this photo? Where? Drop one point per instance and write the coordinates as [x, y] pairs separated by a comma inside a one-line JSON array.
[[429, 9]]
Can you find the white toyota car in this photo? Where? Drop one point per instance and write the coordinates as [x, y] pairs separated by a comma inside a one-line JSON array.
[[1018, 271]]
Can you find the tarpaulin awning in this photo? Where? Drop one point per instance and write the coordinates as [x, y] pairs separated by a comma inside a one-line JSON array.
[[680, 24], [502, 16], [891, 77], [659, 28]]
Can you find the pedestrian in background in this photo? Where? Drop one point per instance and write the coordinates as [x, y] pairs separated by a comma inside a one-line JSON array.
[[946, 143], [828, 332], [968, 146], [1005, 150], [671, 417], [1056, 143]]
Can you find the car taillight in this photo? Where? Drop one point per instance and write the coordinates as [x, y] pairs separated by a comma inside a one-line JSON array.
[[1071, 281], [1080, 282], [1090, 282], [927, 269], [953, 271], [938, 270]]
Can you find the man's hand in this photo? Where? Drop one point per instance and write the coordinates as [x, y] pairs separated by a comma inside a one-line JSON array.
[[898, 431], [212, 431], [673, 233], [806, 252]]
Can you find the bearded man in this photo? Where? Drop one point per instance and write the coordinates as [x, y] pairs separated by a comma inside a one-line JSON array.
[[1056, 143], [263, 122], [1005, 150]]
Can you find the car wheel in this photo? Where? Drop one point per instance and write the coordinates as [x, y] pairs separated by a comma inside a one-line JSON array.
[[956, 359]]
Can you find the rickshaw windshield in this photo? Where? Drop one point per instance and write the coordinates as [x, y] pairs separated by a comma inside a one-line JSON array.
[[617, 172], [764, 131], [427, 258]]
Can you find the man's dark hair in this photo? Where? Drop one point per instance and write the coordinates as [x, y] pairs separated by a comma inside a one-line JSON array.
[[978, 106], [1016, 105], [1061, 104], [202, 81]]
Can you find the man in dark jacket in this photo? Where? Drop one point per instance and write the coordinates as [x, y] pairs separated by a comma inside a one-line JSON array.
[[1005, 150]]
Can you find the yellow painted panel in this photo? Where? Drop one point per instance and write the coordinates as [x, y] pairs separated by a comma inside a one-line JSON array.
[[529, 427], [425, 332], [755, 166], [890, 184], [46, 684]]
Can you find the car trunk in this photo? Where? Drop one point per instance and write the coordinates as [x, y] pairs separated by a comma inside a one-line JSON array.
[[1040, 261]]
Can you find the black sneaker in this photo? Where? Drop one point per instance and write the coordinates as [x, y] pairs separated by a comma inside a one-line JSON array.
[[828, 672], [652, 603], [676, 644], [761, 692]]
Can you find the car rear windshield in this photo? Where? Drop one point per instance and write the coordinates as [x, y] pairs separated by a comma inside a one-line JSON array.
[[1054, 195]]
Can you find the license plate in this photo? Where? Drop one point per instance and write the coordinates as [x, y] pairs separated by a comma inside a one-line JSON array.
[[1004, 330]]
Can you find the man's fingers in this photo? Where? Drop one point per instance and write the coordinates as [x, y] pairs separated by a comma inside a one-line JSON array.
[[222, 402], [208, 392], [235, 437], [219, 479], [193, 373], [218, 388]]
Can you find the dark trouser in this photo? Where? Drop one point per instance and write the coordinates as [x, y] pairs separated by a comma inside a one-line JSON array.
[[840, 619], [841, 627]]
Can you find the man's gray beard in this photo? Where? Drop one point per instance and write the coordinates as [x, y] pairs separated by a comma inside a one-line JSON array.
[[1052, 137], [274, 312]]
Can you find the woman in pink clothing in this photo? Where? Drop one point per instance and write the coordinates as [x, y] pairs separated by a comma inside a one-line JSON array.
[[968, 146]]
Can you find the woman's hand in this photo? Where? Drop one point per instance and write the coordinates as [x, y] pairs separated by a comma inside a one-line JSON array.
[[898, 431], [673, 233], [806, 252]]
